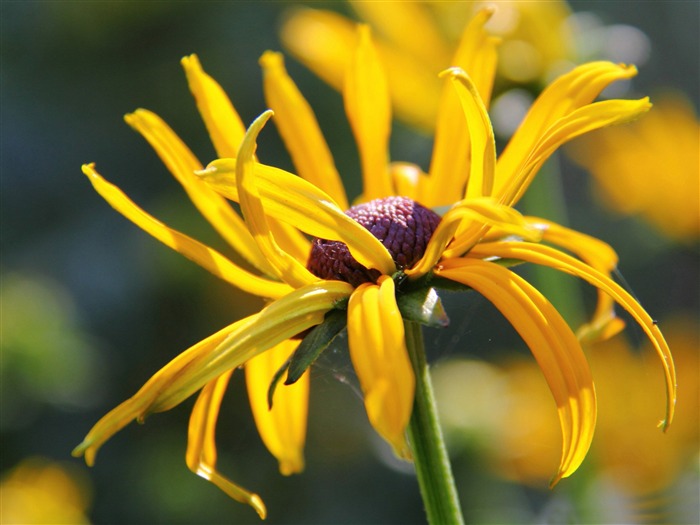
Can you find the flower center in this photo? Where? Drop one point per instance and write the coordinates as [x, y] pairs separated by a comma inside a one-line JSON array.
[[403, 226]]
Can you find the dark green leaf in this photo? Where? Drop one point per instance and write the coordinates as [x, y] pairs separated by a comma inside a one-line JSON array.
[[423, 306], [314, 343]]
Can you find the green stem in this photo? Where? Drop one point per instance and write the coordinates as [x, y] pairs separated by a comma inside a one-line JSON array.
[[432, 464]]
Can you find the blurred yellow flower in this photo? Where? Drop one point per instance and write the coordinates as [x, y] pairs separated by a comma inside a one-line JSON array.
[[651, 168], [370, 260], [417, 40], [514, 416], [39, 491]]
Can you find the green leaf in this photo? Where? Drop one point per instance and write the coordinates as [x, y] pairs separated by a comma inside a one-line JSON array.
[[314, 343], [424, 306], [276, 379]]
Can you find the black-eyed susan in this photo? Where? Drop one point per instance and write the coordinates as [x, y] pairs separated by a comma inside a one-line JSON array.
[[376, 266]]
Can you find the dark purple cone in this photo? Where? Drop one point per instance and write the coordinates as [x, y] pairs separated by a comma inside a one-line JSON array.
[[403, 226]]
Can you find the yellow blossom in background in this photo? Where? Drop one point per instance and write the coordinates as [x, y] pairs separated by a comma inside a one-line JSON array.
[[417, 40], [651, 168], [319, 268], [643, 461], [39, 491], [512, 421]]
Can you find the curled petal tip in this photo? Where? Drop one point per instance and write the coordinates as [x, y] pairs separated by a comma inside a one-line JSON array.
[[556, 479], [453, 71], [257, 503], [209, 170], [88, 169], [186, 60]]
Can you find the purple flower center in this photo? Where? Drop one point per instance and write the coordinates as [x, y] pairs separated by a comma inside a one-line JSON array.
[[403, 226]]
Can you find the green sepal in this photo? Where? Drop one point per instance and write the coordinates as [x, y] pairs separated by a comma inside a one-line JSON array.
[[423, 305], [314, 343], [276, 379]]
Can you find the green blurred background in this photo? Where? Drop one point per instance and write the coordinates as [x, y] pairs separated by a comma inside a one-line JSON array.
[[91, 306]]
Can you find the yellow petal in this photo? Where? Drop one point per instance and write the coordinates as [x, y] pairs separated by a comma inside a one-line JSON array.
[[580, 121], [551, 342], [285, 266], [206, 257], [425, 44], [566, 94], [477, 54], [299, 129], [277, 322], [450, 165], [322, 40], [182, 164], [379, 356], [604, 323], [282, 427], [201, 445], [406, 178], [222, 120], [476, 213], [227, 131], [546, 256], [138, 405], [225, 350], [481, 139], [291, 199], [368, 107]]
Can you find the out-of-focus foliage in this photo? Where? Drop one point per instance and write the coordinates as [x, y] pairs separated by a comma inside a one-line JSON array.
[[46, 358]]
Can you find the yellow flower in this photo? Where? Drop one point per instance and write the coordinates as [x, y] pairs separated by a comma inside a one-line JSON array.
[[514, 414], [419, 39], [38, 490], [367, 266], [628, 164]]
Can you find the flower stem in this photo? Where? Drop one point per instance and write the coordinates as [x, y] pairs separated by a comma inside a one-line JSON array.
[[432, 464]]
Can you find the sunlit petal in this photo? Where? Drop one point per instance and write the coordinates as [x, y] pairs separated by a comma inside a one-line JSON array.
[[483, 146], [201, 444], [566, 94], [379, 356], [291, 199], [286, 267], [580, 121], [227, 131], [282, 427], [220, 117], [604, 324], [546, 256], [182, 164], [138, 405], [406, 178], [299, 129], [368, 107], [194, 250], [277, 322], [225, 350], [476, 213], [551, 342], [450, 165]]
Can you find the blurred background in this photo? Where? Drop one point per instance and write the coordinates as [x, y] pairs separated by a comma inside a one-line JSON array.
[[92, 306]]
